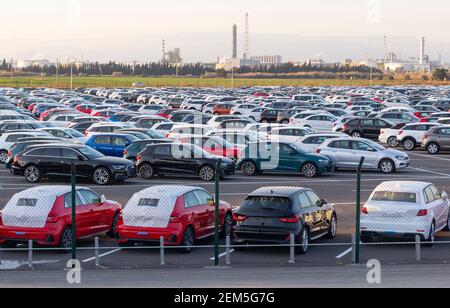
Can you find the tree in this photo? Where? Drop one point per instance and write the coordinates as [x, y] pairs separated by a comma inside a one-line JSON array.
[[440, 74]]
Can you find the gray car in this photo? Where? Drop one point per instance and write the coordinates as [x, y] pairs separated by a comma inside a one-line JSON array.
[[347, 153], [437, 139]]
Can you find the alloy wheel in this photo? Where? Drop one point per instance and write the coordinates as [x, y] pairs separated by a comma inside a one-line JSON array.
[[309, 170], [3, 157], [387, 166], [207, 173], [32, 174], [248, 168], [101, 176]]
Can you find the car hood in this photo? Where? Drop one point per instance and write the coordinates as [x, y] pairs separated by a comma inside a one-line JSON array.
[[393, 153]]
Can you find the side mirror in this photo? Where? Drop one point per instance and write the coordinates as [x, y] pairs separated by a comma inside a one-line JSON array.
[[211, 202], [445, 196], [80, 157], [324, 201], [103, 199]]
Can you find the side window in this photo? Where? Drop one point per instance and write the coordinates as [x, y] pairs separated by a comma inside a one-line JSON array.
[[162, 150], [89, 197], [304, 201], [71, 154], [429, 196], [437, 194], [344, 145], [52, 152], [103, 140], [68, 200], [315, 200], [37, 152], [190, 200], [119, 141], [361, 146], [203, 197]]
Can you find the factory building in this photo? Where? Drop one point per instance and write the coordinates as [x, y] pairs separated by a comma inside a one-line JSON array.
[[268, 60]]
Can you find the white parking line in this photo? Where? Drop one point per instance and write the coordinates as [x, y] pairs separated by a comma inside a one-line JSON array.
[[221, 255], [430, 156], [429, 171], [344, 253], [102, 255]]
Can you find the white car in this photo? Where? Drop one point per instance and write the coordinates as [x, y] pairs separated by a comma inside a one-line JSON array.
[[321, 122], [8, 139], [412, 135], [106, 127], [63, 120], [288, 134], [389, 135], [310, 143], [150, 109], [243, 109], [185, 130], [405, 209], [69, 134], [163, 127]]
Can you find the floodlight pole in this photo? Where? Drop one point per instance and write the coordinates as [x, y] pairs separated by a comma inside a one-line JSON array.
[[74, 213], [358, 212], [217, 211]]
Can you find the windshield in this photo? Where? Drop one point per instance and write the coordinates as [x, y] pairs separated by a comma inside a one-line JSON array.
[[394, 196], [90, 153], [267, 203], [74, 133], [375, 145]]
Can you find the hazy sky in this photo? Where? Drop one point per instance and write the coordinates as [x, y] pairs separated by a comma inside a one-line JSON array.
[[57, 20]]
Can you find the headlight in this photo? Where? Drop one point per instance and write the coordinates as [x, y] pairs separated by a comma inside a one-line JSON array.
[[119, 167], [324, 161], [401, 158]]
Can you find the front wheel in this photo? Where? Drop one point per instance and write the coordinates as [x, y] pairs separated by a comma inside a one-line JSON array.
[[356, 134], [310, 170], [387, 166], [3, 156], [188, 240], [333, 228], [102, 176], [147, 172], [433, 148]]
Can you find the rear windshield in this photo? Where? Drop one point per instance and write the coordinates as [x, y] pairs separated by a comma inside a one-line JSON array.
[[394, 196], [148, 202], [27, 202], [267, 203]]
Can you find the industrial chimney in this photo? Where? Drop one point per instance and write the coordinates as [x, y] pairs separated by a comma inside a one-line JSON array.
[[422, 51], [235, 55]]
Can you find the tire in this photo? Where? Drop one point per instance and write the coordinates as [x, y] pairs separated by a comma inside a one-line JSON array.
[[146, 171], [32, 174], [285, 122], [248, 168], [102, 176], [409, 144], [8, 245], [188, 240], [265, 121], [310, 170], [207, 173], [302, 242], [333, 228], [387, 166], [448, 223], [369, 238], [227, 227], [216, 114], [65, 242], [113, 231], [392, 142], [431, 239], [356, 134], [433, 148], [3, 156]]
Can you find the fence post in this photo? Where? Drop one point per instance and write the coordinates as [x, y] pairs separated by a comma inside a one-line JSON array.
[[228, 249], [97, 258], [30, 254], [353, 248], [292, 249], [161, 247], [358, 213], [74, 213], [218, 172], [418, 249]]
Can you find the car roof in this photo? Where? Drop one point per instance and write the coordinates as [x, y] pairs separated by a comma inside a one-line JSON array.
[[162, 191], [402, 186], [277, 191], [47, 191]]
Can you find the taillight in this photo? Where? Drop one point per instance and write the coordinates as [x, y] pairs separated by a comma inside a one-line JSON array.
[[174, 220], [345, 127], [365, 211], [291, 220], [422, 213], [400, 133], [9, 153], [239, 218], [125, 152], [16, 159], [52, 219], [426, 136], [138, 157], [167, 135]]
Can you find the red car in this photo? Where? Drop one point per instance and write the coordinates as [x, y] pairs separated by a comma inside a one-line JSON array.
[[85, 108], [49, 113], [179, 214], [44, 215], [214, 145], [166, 113]]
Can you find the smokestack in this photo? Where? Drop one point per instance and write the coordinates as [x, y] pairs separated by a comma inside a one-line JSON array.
[[247, 37], [235, 55], [422, 51]]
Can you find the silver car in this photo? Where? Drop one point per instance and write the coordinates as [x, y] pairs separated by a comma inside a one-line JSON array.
[[347, 153]]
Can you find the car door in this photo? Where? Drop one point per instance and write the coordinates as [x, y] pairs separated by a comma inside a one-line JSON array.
[[369, 129], [440, 206], [199, 214], [103, 144], [82, 217], [118, 145], [204, 198], [287, 157], [50, 162], [444, 138], [311, 214], [99, 219], [341, 151], [361, 149]]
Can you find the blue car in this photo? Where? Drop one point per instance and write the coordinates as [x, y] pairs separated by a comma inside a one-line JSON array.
[[111, 144]]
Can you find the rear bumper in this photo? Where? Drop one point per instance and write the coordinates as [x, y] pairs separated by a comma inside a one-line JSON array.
[[396, 228], [269, 236], [47, 237], [171, 236]]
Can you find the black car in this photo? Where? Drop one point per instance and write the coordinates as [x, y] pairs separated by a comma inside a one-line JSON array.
[[15, 126], [270, 115], [197, 118], [177, 158], [132, 151], [365, 127], [23, 143], [37, 162], [272, 214]]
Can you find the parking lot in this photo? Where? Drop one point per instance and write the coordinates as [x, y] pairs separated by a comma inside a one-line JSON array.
[[339, 188]]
